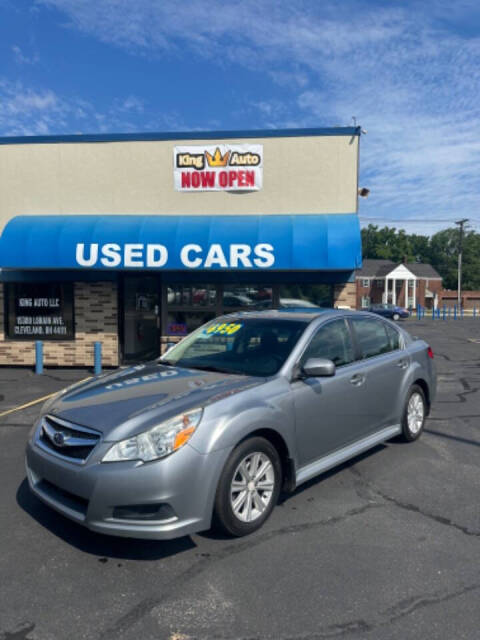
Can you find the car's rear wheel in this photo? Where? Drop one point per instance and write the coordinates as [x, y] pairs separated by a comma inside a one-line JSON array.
[[414, 414], [396, 316], [248, 488]]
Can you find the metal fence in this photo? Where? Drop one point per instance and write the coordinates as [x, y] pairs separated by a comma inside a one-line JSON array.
[[444, 313]]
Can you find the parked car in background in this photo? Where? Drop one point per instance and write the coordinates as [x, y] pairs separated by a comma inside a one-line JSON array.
[[247, 405], [237, 300], [297, 303], [389, 311]]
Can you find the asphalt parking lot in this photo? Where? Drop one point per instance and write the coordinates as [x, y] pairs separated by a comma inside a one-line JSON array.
[[386, 546]]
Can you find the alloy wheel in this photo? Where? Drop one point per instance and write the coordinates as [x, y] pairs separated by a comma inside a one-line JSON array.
[[252, 486], [415, 413]]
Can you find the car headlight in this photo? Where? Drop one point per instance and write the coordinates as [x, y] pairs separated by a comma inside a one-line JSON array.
[[157, 442]]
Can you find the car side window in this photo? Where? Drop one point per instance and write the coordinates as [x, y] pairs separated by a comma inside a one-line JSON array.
[[393, 336], [332, 341], [371, 337]]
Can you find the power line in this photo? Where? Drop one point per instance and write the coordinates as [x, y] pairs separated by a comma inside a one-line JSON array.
[[415, 220]]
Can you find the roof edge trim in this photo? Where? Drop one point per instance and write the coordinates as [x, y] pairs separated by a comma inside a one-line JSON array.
[[181, 135]]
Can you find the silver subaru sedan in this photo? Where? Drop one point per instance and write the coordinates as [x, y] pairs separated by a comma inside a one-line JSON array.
[[247, 406]]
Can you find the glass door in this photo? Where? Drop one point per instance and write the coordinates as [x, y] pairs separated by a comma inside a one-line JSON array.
[[141, 323]]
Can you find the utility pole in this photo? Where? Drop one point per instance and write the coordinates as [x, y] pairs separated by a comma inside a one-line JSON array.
[[460, 249]]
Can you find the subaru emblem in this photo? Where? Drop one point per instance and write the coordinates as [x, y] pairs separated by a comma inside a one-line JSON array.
[[59, 439]]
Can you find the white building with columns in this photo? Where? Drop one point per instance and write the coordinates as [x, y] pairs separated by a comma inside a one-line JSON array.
[[405, 284]]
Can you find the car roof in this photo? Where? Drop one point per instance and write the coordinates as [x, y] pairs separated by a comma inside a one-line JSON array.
[[306, 315]]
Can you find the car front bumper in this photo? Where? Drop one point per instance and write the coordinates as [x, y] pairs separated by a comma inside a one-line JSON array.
[[88, 493]]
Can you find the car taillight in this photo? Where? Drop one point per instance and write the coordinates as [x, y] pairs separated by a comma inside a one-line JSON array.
[[430, 352]]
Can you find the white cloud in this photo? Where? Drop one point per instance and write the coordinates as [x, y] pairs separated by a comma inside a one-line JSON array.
[[25, 111], [22, 58], [133, 103], [409, 71]]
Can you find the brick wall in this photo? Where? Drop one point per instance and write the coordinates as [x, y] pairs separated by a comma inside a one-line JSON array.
[[345, 295], [95, 320], [470, 299]]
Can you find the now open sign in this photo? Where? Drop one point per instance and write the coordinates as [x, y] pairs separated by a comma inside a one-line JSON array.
[[220, 167]]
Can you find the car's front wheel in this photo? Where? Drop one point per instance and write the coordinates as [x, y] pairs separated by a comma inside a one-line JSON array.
[[248, 488], [414, 414], [396, 316]]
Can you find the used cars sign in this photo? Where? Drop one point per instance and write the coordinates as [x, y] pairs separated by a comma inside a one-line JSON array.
[[218, 167]]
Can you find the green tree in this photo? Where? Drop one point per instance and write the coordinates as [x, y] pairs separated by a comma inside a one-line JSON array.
[[444, 256], [471, 261], [390, 244], [441, 251]]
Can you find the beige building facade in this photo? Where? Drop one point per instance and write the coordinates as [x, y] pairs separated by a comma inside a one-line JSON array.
[[135, 240]]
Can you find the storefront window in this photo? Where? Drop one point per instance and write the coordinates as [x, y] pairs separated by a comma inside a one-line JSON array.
[[181, 323], [246, 297], [188, 307], [306, 295], [39, 311], [191, 295]]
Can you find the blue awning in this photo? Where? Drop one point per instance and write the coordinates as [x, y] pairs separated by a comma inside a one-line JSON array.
[[116, 242]]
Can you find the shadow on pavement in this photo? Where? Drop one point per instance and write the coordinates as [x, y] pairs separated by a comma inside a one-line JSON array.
[[450, 437], [332, 472], [95, 543]]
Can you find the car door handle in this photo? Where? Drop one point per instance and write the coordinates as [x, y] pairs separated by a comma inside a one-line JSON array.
[[403, 364], [357, 380]]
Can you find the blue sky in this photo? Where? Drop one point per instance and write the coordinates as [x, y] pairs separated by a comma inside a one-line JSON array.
[[408, 71]]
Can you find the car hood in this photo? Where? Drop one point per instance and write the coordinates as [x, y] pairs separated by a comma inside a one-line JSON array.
[[131, 400]]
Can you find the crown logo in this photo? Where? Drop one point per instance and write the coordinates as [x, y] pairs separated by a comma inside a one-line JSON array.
[[217, 160]]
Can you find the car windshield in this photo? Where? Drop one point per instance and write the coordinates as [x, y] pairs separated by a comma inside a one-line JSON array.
[[246, 346]]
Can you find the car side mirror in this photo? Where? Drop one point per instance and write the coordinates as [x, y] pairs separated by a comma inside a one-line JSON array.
[[318, 368]]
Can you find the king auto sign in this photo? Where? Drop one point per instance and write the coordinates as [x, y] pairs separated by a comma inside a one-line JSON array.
[[218, 167]]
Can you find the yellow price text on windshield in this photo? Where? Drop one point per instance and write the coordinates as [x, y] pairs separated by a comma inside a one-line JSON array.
[[223, 328]]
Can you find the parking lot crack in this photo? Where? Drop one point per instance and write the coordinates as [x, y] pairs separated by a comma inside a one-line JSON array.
[[22, 633], [145, 607], [408, 606], [407, 506], [400, 610]]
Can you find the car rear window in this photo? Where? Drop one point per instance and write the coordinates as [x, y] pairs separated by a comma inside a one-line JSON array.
[[371, 337]]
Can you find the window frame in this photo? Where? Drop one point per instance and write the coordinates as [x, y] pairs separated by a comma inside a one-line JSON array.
[[365, 280], [401, 341], [343, 319], [358, 350]]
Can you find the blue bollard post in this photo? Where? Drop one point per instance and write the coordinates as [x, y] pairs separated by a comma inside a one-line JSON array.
[[444, 312], [454, 311], [449, 312], [433, 313], [97, 358], [38, 357], [461, 312]]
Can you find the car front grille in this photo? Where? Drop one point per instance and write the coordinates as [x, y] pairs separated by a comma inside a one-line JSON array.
[[67, 440]]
